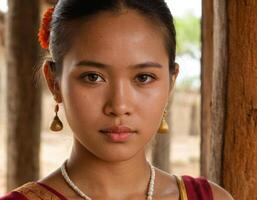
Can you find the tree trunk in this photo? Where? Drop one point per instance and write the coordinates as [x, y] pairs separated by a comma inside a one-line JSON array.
[[240, 147], [193, 129], [234, 116], [162, 146], [23, 98], [206, 86], [2, 16], [220, 74], [161, 152]]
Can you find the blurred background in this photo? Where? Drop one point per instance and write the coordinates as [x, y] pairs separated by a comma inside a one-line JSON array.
[[184, 116]]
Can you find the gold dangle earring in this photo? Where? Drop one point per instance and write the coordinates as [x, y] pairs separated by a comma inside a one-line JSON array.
[[164, 127], [56, 124]]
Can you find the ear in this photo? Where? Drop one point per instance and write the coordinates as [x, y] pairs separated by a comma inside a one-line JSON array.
[[173, 76], [51, 79]]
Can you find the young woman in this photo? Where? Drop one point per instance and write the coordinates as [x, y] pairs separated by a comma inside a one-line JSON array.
[[113, 69]]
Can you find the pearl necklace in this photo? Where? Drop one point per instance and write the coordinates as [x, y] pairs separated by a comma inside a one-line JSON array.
[[84, 196]]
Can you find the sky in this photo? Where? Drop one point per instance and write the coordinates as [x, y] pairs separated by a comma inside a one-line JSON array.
[[188, 66], [3, 5], [181, 7]]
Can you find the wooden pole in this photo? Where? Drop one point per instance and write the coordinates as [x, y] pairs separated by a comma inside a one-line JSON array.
[[162, 145], [240, 133], [234, 114], [219, 90], [23, 98], [206, 86]]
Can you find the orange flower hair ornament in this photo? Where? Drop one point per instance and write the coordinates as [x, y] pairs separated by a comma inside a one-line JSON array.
[[44, 30]]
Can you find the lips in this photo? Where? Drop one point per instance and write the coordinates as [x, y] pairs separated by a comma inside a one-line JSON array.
[[118, 130], [118, 133]]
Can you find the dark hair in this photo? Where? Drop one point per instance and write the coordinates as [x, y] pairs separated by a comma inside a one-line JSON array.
[[66, 11]]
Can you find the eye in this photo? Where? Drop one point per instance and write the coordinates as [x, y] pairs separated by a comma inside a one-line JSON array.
[[145, 78], [91, 77]]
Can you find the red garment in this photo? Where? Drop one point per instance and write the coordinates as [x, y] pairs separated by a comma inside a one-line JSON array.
[[13, 196], [17, 196], [197, 188], [53, 191]]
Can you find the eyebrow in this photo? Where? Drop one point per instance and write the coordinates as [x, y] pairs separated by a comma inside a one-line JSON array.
[[102, 65]]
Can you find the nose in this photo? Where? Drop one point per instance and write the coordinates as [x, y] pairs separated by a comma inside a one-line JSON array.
[[120, 100]]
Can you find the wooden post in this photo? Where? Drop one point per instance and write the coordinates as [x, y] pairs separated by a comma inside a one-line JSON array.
[[240, 146], [161, 152], [193, 129], [206, 86], [234, 113], [23, 98], [219, 91], [2, 16], [162, 145]]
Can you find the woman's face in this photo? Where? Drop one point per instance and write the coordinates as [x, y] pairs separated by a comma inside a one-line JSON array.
[[116, 74]]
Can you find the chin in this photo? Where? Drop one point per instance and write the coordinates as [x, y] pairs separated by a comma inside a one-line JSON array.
[[116, 154]]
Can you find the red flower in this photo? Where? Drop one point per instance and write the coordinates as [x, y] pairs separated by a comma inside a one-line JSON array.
[[44, 30]]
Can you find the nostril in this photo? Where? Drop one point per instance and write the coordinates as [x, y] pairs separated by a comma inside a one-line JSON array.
[[115, 114]]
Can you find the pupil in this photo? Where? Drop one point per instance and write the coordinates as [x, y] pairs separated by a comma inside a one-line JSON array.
[[93, 77], [143, 78]]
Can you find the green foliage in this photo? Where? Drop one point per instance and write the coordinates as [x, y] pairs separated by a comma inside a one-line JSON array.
[[188, 35], [189, 83]]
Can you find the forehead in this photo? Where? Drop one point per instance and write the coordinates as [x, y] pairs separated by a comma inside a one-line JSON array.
[[123, 36]]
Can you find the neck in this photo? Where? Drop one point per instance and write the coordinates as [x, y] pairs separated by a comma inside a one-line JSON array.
[[113, 179]]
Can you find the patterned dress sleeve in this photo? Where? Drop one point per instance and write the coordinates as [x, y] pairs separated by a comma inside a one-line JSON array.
[[33, 191], [197, 188], [13, 196]]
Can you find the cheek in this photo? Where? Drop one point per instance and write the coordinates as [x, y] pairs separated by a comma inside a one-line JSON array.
[[155, 98], [152, 105], [81, 105]]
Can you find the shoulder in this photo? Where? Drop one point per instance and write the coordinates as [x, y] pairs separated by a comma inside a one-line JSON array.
[[13, 196], [219, 193], [20, 192], [33, 190], [201, 187], [166, 185]]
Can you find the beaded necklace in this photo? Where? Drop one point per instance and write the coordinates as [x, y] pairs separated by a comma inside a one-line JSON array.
[[84, 196]]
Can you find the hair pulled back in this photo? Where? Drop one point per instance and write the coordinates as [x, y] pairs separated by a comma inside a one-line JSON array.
[[67, 11]]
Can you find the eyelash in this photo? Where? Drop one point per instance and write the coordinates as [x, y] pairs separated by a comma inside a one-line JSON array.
[[153, 77], [85, 75]]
